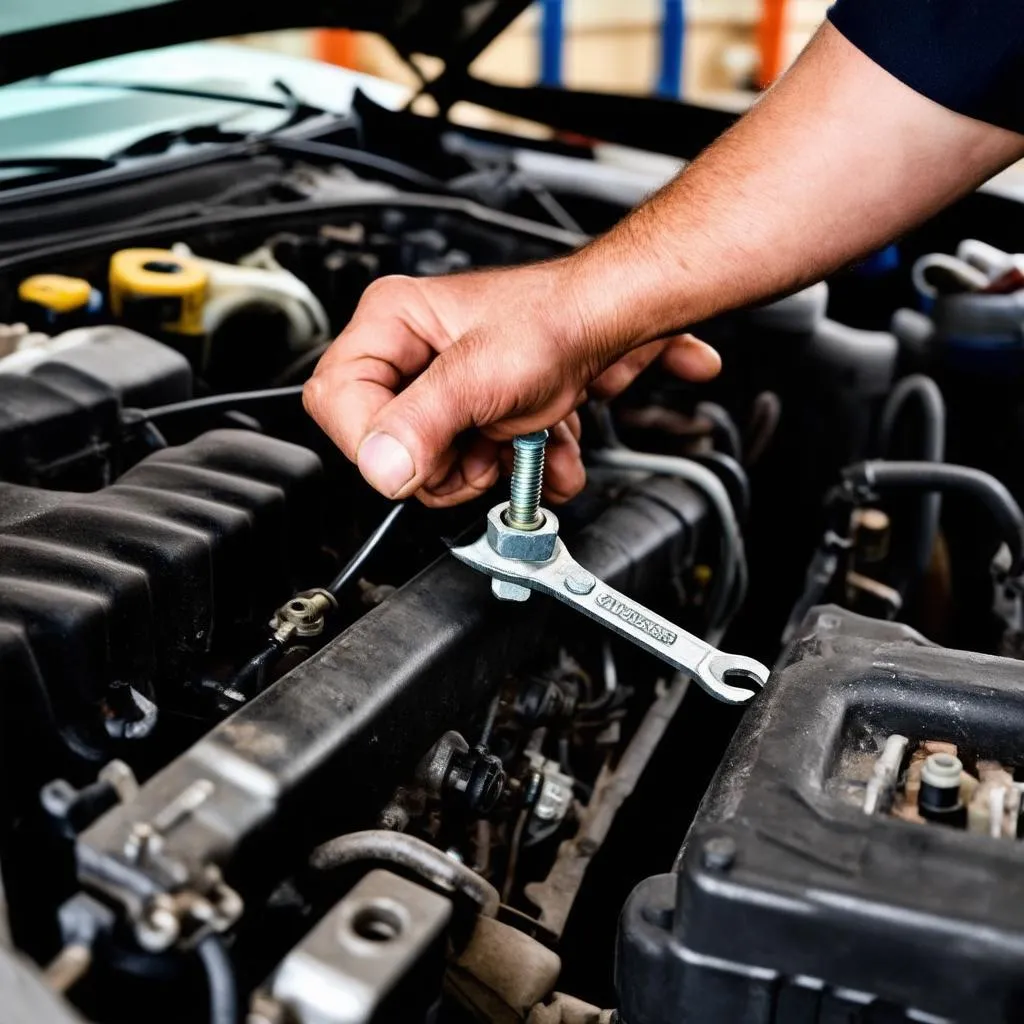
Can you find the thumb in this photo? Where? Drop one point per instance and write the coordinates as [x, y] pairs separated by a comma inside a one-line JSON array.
[[413, 435]]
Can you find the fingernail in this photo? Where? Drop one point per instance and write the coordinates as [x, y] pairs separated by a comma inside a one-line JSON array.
[[386, 463]]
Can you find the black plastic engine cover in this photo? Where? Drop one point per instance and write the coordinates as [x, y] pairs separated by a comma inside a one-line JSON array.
[[790, 904], [60, 423], [137, 584]]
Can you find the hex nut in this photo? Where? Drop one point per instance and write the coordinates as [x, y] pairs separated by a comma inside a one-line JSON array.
[[523, 545]]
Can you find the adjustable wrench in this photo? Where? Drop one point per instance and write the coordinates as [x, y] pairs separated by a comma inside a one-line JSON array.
[[564, 578]]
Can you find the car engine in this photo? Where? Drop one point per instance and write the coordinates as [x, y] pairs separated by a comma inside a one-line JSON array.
[[270, 754]]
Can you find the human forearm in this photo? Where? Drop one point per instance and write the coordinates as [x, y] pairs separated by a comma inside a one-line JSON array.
[[837, 159]]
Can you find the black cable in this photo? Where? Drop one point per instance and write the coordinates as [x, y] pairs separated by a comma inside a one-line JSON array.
[[249, 679], [932, 409], [302, 366], [358, 560], [220, 977], [866, 477], [210, 402], [254, 671]]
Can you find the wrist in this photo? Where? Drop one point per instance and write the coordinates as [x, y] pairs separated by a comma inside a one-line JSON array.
[[626, 295]]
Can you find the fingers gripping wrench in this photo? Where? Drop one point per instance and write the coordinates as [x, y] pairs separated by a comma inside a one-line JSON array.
[[561, 576]]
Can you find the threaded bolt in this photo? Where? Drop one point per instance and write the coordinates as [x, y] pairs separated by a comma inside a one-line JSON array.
[[527, 480]]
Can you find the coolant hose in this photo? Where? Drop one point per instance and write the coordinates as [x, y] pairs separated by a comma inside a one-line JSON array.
[[930, 476], [932, 407], [410, 853]]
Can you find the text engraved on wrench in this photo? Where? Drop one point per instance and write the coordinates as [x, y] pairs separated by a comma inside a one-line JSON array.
[[635, 618]]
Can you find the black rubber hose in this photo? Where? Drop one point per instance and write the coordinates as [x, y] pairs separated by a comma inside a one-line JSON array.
[[930, 476], [220, 977], [932, 409]]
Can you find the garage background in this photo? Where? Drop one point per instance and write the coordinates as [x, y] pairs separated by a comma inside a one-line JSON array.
[[712, 51]]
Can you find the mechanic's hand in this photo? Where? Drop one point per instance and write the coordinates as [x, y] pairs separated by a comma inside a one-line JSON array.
[[423, 361]]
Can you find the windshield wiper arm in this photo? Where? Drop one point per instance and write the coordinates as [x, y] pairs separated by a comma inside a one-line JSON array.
[[288, 103]]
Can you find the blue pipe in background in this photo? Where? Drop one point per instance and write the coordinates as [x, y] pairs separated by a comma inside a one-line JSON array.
[[673, 32], [552, 33]]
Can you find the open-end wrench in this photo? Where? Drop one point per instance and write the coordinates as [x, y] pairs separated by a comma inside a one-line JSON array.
[[564, 578]]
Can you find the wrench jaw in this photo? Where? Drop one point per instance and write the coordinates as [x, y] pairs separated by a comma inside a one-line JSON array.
[[481, 556], [720, 674]]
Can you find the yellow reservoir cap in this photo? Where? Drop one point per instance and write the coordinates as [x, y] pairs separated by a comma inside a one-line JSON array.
[[159, 274], [55, 292]]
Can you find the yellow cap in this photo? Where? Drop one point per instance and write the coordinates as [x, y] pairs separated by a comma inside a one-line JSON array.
[[160, 274], [55, 292]]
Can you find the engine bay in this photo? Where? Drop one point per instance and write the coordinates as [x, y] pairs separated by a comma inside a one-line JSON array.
[[272, 755]]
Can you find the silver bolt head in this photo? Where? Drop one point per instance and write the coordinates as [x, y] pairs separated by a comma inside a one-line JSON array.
[[536, 545], [509, 591], [580, 582], [158, 928]]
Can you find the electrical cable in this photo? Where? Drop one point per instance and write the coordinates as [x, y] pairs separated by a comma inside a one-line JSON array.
[[358, 560], [220, 977], [254, 670], [731, 592], [301, 367], [932, 409], [248, 680], [208, 403]]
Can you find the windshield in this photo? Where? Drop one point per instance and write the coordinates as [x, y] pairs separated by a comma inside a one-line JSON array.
[[98, 110]]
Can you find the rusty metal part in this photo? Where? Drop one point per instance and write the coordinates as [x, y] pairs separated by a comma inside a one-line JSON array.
[[554, 895], [563, 1009], [502, 973], [410, 853], [871, 532], [303, 616]]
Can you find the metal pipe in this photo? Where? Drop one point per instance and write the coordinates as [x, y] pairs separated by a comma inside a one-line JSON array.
[[410, 853]]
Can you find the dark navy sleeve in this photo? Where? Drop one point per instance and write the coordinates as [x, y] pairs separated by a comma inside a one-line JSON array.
[[967, 55]]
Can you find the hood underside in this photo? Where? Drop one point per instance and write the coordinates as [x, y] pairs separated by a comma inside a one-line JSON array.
[[37, 38]]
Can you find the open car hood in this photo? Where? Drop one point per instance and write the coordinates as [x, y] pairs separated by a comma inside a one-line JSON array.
[[37, 38]]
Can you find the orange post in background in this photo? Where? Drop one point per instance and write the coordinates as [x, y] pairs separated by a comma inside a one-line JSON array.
[[771, 36], [337, 46]]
